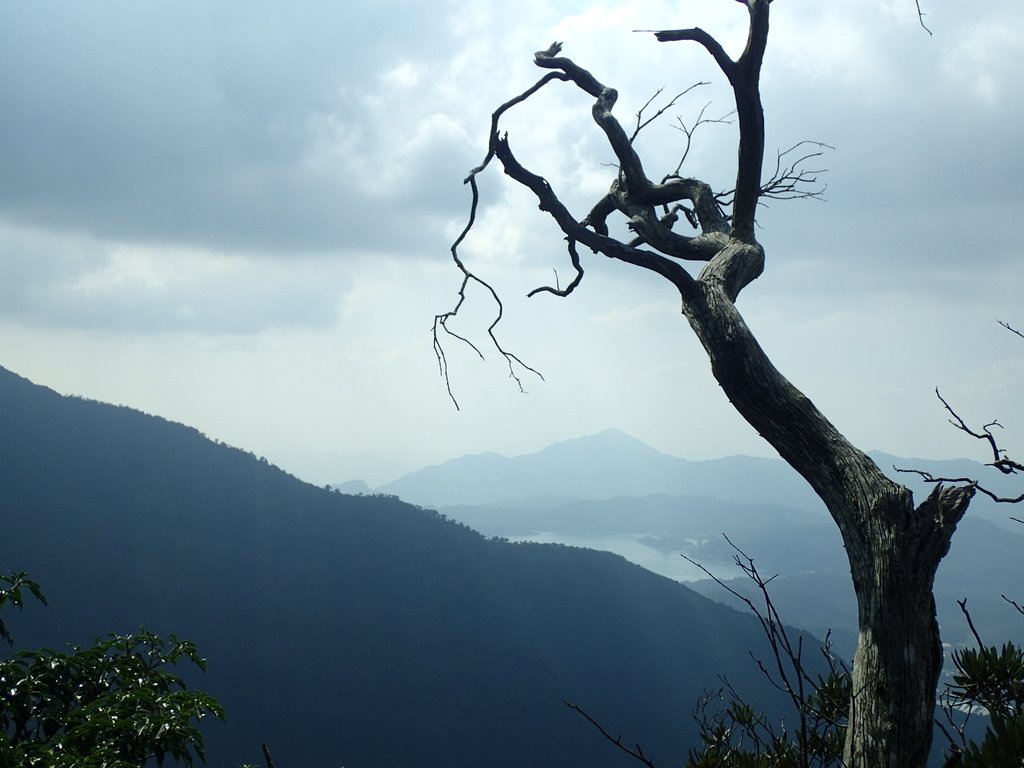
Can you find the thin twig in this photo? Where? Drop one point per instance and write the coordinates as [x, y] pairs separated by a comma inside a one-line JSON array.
[[920, 16], [1010, 328], [636, 752], [970, 622], [792, 181], [1014, 603], [639, 115], [688, 132], [1000, 460], [790, 678]]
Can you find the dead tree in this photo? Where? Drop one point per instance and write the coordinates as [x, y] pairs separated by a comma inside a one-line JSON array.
[[893, 545]]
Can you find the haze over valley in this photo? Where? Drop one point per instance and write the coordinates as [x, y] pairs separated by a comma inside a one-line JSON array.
[[610, 491]]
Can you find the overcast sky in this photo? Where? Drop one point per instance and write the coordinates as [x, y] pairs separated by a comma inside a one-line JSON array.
[[237, 214]]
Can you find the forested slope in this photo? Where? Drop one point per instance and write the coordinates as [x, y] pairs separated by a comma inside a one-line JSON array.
[[345, 630]]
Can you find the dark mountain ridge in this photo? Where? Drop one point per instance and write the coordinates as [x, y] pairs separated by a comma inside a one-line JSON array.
[[355, 630]]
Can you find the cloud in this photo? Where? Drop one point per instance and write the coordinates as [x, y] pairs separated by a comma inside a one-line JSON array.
[[924, 162], [195, 191], [194, 125], [57, 280]]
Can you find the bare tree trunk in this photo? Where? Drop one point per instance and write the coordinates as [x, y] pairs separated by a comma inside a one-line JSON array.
[[893, 548]]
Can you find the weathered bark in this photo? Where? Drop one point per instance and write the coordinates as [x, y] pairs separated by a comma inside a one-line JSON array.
[[893, 548]]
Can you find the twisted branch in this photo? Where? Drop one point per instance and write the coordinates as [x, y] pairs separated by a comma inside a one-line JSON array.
[[441, 320]]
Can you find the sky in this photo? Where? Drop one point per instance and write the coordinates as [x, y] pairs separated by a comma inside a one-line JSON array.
[[237, 215]]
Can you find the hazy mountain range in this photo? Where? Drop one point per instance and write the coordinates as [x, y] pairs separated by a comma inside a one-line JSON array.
[[347, 630], [613, 464], [613, 492], [602, 466]]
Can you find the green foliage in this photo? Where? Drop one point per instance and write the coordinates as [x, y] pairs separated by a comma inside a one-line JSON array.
[[987, 678], [993, 679], [1003, 745], [12, 586], [115, 704], [737, 736], [990, 677]]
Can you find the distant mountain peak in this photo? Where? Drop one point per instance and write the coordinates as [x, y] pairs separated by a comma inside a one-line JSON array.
[[352, 486], [608, 464], [609, 436]]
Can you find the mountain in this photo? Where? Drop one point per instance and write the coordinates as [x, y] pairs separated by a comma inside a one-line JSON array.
[[574, 492], [602, 466], [352, 487], [354, 630], [612, 464]]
